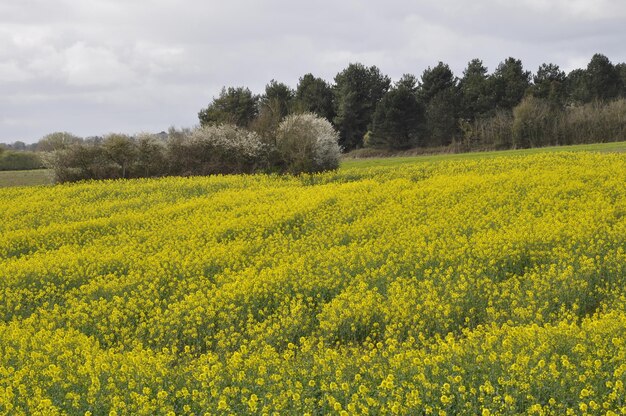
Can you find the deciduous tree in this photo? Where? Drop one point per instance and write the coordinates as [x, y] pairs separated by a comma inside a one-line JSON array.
[[56, 141], [122, 150]]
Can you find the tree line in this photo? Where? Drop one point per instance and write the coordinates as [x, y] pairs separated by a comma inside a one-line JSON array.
[[510, 107], [18, 158]]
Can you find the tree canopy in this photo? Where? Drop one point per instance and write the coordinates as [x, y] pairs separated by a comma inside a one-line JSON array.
[[235, 105], [399, 118], [435, 109], [358, 89], [316, 96], [549, 84], [476, 97], [510, 82]]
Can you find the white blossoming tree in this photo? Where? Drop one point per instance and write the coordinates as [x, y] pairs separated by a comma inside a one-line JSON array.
[[307, 143]]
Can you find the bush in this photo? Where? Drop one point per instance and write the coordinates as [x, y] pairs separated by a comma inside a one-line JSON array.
[[490, 132], [80, 161], [307, 143], [534, 123], [122, 151], [151, 157], [215, 149], [594, 122], [303, 143]]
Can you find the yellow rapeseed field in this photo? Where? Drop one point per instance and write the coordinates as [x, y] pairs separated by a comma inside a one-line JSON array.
[[480, 286]]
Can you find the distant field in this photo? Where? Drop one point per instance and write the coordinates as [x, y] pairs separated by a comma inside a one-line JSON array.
[[42, 176], [24, 178]]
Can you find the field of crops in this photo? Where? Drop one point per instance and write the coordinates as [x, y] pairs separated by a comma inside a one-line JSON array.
[[481, 286]]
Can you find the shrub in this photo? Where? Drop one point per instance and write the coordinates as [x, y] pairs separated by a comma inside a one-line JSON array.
[[595, 122], [122, 151], [303, 143], [534, 123], [151, 156], [80, 161], [215, 149], [490, 132], [307, 143]]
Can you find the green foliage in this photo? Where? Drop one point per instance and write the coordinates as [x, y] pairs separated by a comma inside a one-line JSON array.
[[274, 105], [509, 83], [19, 160], [409, 82], [441, 118], [151, 157], [621, 70], [549, 84], [439, 92], [476, 97], [234, 106], [593, 122], [302, 143], [537, 122], [79, 162], [19, 145], [577, 87], [358, 90], [280, 94], [491, 132], [435, 80], [603, 79], [398, 121], [314, 95]]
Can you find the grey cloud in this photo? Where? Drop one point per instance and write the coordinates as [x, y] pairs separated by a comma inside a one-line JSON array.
[[97, 66]]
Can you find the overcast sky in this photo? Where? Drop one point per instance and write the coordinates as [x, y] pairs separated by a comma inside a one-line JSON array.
[[93, 67]]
